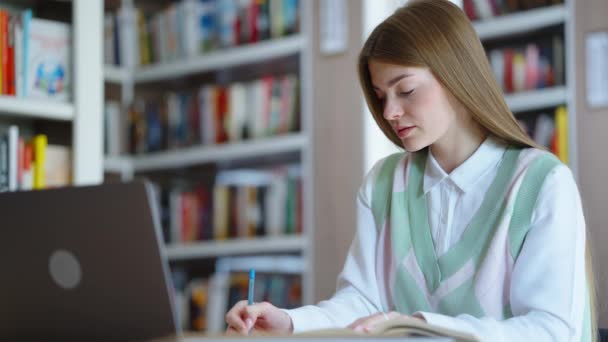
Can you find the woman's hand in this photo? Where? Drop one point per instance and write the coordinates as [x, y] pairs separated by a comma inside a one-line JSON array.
[[261, 317], [367, 324]]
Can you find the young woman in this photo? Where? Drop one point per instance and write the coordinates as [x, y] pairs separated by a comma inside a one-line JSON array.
[[475, 228]]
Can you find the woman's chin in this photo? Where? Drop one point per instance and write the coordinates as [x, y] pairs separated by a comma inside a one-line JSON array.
[[413, 146]]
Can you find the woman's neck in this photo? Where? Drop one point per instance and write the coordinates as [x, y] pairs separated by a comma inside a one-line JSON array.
[[457, 146]]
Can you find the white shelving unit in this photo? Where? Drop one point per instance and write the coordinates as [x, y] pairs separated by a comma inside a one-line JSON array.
[[112, 74], [259, 53], [213, 249], [36, 109], [537, 99], [531, 20], [248, 54], [521, 22], [189, 156], [85, 110]]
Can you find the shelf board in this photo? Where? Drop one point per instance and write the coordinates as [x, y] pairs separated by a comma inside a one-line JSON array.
[[114, 74], [537, 99], [520, 22], [36, 109], [117, 164], [222, 152], [241, 55], [213, 249], [285, 264]]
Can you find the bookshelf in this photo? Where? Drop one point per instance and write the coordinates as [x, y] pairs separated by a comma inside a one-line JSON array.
[[519, 25], [523, 22], [187, 156], [36, 109], [234, 60], [537, 99], [285, 244], [113, 74], [83, 112], [223, 59]]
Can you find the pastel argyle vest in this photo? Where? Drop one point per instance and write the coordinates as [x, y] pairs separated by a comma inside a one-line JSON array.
[[473, 276]]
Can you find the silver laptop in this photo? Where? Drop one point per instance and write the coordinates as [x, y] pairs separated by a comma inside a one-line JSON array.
[[83, 263]]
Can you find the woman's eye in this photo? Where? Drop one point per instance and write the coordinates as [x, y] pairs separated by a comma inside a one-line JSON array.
[[407, 93]]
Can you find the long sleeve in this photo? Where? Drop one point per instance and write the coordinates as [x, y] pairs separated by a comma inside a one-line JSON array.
[[547, 292], [357, 292]]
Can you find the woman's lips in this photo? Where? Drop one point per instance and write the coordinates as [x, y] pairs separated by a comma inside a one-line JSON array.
[[403, 132]]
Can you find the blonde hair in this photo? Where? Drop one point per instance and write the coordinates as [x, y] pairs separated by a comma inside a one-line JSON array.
[[437, 34]]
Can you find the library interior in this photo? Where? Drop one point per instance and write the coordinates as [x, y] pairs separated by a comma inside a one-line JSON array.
[[181, 144]]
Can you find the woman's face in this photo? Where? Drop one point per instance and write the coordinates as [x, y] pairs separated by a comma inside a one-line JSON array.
[[414, 103]]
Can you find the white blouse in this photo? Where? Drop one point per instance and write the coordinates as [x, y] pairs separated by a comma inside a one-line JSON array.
[[547, 285]]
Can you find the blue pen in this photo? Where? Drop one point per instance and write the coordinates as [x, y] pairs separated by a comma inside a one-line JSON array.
[[251, 283]]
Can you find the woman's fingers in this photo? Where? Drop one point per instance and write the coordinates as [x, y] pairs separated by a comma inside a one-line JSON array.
[[235, 319], [367, 324], [242, 317]]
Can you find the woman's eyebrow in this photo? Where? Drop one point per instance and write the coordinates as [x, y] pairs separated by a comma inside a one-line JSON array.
[[394, 80]]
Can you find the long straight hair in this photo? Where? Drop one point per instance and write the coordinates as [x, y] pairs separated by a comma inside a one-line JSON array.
[[437, 34]]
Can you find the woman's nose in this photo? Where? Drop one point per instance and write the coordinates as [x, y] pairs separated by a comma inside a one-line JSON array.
[[392, 111]]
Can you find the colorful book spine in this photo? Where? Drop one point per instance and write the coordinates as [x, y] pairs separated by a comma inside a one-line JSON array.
[[561, 128], [13, 158], [27, 19], [40, 144]]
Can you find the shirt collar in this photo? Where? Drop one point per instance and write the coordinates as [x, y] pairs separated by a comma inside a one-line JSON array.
[[488, 154]]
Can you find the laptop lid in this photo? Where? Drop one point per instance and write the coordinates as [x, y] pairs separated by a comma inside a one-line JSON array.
[[83, 263]]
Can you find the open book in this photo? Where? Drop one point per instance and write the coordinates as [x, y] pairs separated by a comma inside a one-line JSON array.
[[400, 326]]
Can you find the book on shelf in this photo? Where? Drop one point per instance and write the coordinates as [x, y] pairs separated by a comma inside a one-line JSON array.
[[49, 60], [202, 301], [487, 9], [35, 56], [114, 129], [190, 28], [27, 164], [548, 130], [536, 65], [212, 114], [240, 204]]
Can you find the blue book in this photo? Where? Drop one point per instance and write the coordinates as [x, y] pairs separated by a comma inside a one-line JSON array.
[[27, 18]]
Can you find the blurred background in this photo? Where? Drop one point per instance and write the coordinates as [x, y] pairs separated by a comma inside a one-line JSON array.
[[247, 117]]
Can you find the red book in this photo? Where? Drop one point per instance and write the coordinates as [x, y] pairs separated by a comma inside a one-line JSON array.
[[508, 71], [554, 144], [4, 49], [221, 112], [10, 56], [469, 9], [253, 12]]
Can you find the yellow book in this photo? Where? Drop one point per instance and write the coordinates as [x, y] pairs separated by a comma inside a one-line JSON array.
[[221, 195], [561, 129], [40, 142]]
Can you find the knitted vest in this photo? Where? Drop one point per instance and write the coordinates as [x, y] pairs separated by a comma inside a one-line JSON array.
[[473, 276]]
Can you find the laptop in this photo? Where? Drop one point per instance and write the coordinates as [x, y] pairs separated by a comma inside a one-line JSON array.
[[83, 263]]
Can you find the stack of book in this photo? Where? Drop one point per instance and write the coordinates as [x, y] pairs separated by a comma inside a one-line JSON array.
[[212, 114], [244, 203], [549, 130], [190, 28], [486, 9], [202, 302], [27, 164], [536, 65], [35, 57]]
